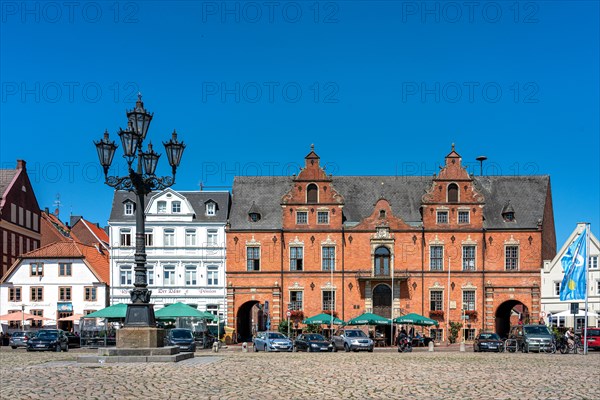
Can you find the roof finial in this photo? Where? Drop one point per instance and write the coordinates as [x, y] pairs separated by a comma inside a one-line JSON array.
[[452, 146], [312, 147]]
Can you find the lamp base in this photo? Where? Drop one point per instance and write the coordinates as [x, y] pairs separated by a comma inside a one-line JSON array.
[[140, 315], [140, 337]]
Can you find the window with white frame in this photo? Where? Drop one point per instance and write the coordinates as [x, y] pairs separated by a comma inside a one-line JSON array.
[[469, 334], [468, 258], [593, 262], [65, 269], [125, 237], [212, 237], [436, 258], [328, 300], [211, 208], [557, 288], [296, 258], [295, 300], [213, 309], [150, 274], [161, 207], [190, 237], [598, 288], [442, 217], [437, 335], [149, 237], [128, 208], [169, 275], [126, 275], [322, 217], [468, 300], [169, 237], [436, 300], [212, 275], [253, 258], [328, 258], [176, 207], [511, 258], [191, 275], [301, 217], [36, 269], [463, 217]]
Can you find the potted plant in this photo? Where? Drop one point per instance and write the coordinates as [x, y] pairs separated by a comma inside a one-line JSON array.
[[297, 315], [472, 314], [436, 314]]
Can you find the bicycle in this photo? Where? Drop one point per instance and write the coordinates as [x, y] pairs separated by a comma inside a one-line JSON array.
[[549, 349], [511, 345]]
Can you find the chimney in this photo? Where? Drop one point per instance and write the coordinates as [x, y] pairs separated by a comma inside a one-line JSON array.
[[21, 164], [47, 210]]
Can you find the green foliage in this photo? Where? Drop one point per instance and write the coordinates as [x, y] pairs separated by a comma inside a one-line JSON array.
[[454, 330], [312, 328], [283, 326]]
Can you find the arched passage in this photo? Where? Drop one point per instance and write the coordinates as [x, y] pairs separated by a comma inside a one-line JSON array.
[[249, 320], [510, 313], [382, 305]]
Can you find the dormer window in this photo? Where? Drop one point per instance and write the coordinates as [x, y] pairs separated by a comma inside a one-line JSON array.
[[453, 193], [176, 207], [128, 208], [509, 216], [381, 214], [254, 217], [161, 207], [211, 209]]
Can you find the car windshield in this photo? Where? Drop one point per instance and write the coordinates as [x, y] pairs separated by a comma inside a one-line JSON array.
[[181, 334], [18, 334], [489, 336], [314, 336], [274, 335], [537, 330], [355, 334], [47, 335], [593, 332]]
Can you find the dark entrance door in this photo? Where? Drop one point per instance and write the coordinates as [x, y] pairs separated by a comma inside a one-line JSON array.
[[249, 320], [511, 312], [382, 305]]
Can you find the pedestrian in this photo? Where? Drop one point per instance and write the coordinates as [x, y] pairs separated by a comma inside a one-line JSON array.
[[541, 321]]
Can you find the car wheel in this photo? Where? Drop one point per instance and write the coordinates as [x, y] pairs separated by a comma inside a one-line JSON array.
[[525, 348], [66, 348], [255, 348], [57, 348], [295, 349], [346, 348], [334, 349], [13, 347], [475, 349], [265, 348], [308, 349], [370, 350]]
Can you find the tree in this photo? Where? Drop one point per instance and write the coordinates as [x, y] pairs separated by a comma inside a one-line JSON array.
[[454, 330]]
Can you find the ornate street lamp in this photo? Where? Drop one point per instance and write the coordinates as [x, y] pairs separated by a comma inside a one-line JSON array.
[[141, 181]]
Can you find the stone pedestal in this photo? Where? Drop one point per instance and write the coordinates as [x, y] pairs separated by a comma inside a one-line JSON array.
[[142, 337], [111, 355]]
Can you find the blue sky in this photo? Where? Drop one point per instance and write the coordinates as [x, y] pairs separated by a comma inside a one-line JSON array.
[[380, 88]]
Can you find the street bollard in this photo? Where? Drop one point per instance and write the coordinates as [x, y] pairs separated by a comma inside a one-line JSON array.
[[244, 347], [462, 347], [430, 346], [215, 347]]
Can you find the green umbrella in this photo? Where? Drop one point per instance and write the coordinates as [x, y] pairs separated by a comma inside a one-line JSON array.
[[180, 310], [114, 311], [369, 319], [322, 319], [415, 319]]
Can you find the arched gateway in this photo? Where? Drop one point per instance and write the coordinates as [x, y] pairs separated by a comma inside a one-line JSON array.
[[510, 313], [249, 320]]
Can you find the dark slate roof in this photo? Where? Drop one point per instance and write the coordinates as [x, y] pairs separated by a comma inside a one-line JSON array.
[[196, 199], [6, 176], [527, 195]]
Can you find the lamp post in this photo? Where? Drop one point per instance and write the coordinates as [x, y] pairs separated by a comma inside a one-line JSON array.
[[23, 316], [141, 181]]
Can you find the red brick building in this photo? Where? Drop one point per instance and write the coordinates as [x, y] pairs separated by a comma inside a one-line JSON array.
[[19, 215], [444, 246]]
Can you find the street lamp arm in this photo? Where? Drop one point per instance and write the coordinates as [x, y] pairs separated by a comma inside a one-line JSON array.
[[140, 183]]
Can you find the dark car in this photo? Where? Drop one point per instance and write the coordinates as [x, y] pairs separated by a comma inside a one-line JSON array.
[[19, 339], [183, 338], [593, 338], [74, 340], [49, 339], [312, 342], [487, 341]]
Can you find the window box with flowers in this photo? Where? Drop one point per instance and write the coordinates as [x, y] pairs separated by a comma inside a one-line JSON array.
[[472, 314], [436, 314], [297, 315]]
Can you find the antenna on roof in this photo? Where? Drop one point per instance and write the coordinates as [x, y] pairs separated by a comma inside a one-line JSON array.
[[57, 205], [481, 159]]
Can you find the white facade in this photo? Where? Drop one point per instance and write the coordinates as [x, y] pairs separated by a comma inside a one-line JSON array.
[[82, 291], [552, 275], [185, 247]]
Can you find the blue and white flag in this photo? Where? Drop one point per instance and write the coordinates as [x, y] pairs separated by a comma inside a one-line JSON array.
[[573, 285]]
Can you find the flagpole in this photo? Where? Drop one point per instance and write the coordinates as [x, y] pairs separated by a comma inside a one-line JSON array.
[[448, 316], [587, 280]]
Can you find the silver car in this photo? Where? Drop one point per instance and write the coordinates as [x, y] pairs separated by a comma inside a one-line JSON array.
[[19, 339], [271, 341], [352, 339]]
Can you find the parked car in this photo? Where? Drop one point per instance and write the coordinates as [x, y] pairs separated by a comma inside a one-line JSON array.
[[74, 340], [531, 337], [204, 339], [352, 339], [48, 339], [19, 339], [312, 342], [271, 341], [593, 338], [184, 338], [488, 341]]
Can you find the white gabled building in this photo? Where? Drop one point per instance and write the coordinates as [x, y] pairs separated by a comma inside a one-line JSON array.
[[56, 281], [185, 247], [552, 276]]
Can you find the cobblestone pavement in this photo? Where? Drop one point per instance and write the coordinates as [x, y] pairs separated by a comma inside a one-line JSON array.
[[231, 374]]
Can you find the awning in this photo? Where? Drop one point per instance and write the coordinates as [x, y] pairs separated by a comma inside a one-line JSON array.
[[114, 311], [581, 313], [20, 315], [323, 319], [74, 318], [369, 319], [415, 319]]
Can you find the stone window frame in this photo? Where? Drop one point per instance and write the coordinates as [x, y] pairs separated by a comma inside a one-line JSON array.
[[90, 293], [69, 268], [463, 210], [464, 260], [296, 263], [38, 270], [321, 213], [437, 245], [442, 211], [35, 294], [440, 292], [513, 257], [457, 193], [65, 293], [126, 271], [191, 274], [303, 213], [125, 235], [256, 260], [212, 275], [296, 305], [128, 208], [469, 305], [328, 305]]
